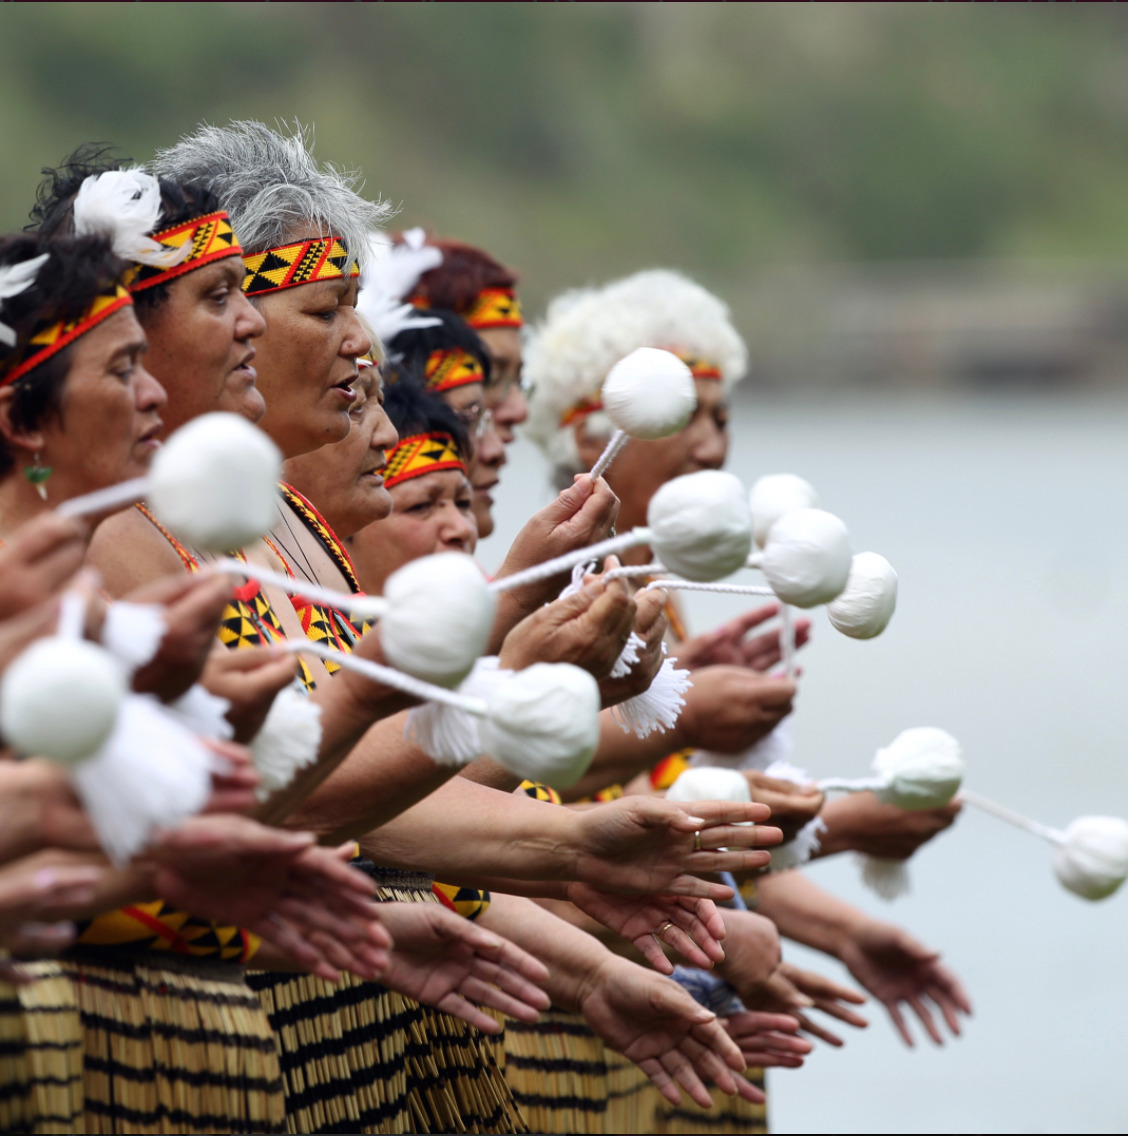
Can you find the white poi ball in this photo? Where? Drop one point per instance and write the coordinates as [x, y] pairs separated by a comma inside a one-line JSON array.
[[439, 617], [700, 525], [866, 604], [543, 723], [923, 768], [710, 783], [60, 699], [215, 482], [1093, 861], [649, 393], [775, 494], [807, 557]]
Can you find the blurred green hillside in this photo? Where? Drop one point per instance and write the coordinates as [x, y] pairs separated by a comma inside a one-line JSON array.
[[581, 141]]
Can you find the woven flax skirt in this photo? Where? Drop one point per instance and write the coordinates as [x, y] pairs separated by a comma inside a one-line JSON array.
[[357, 1057]]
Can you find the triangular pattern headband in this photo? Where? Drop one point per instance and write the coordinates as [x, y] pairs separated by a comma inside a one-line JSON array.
[[210, 237], [53, 335], [420, 454], [304, 262]]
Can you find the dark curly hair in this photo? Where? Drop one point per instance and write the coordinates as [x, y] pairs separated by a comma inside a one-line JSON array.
[[411, 349], [414, 410], [464, 272], [53, 213], [78, 271]]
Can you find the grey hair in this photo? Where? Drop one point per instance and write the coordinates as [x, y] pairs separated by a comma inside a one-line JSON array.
[[273, 187]]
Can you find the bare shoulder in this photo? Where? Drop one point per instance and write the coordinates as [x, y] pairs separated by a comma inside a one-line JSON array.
[[130, 551]]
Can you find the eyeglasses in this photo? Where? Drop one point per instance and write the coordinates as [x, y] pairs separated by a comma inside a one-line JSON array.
[[476, 418]]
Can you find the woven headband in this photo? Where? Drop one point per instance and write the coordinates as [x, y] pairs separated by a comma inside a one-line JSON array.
[[304, 262], [699, 368], [450, 367], [211, 238], [51, 336], [494, 307], [420, 454]]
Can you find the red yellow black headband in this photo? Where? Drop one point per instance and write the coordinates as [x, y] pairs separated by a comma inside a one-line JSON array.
[[494, 307], [699, 368], [304, 262], [52, 336], [420, 454], [211, 238], [450, 367]]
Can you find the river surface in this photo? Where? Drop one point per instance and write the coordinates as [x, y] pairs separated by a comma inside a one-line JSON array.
[[1005, 519]]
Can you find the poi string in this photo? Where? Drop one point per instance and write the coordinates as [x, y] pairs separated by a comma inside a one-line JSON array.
[[368, 607], [113, 497], [1053, 835], [618, 440], [554, 567], [389, 676]]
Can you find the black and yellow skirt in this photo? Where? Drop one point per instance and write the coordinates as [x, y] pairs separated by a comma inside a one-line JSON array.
[[557, 1071], [41, 1086], [358, 1057], [172, 1044]]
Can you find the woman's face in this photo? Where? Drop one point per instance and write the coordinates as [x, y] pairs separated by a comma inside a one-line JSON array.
[[200, 345], [430, 513], [505, 402], [345, 480], [642, 468], [307, 363], [109, 422]]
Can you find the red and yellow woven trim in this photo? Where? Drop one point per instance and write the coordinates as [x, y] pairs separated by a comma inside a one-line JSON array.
[[699, 367], [450, 367], [420, 454], [494, 307], [305, 262], [669, 769], [51, 338], [211, 238], [580, 410]]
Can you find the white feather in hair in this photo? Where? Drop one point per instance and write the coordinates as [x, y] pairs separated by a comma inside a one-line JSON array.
[[125, 206], [391, 273], [14, 279]]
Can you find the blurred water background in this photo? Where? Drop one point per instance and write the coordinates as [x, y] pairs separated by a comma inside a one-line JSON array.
[[917, 213], [1005, 521]]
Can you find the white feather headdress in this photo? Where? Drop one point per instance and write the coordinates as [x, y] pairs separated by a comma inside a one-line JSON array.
[[125, 206], [14, 279], [390, 275]]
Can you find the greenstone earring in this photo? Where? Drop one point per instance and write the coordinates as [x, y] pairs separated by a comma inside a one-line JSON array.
[[37, 474]]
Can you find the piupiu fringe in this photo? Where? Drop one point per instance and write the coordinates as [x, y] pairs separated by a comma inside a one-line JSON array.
[[728, 1114], [173, 1045], [632, 1098], [557, 1071], [357, 1057], [40, 1054]]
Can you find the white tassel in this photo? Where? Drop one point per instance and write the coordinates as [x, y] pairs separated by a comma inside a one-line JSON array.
[[799, 850], [125, 206], [447, 734], [133, 633], [14, 279], [888, 879], [777, 746], [203, 713], [658, 707], [628, 657], [152, 773], [288, 741]]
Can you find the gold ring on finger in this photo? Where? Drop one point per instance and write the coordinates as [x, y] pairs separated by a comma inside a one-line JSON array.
[[697, 841], [663, 929]]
